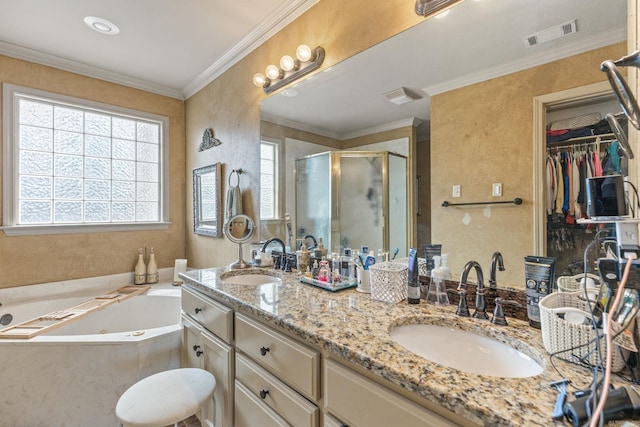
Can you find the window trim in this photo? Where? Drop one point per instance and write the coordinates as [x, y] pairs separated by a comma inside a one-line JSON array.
[[277, 197], [10, 153]]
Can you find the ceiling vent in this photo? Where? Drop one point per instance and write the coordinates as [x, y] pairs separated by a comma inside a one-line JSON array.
[[551, 33], [401, 96]]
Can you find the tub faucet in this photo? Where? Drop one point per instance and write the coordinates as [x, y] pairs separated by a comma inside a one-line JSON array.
[[481, 305], [496, 259]]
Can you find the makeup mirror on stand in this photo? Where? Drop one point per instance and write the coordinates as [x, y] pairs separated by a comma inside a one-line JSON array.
[[239, 229]]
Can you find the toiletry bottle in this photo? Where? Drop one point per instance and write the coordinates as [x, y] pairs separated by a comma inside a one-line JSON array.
[[303, 257], [336, 278], [140, 272], [335, 262], [437, 290], [152, 269], [315, 269], [320, 251], [344, 262], [446, 271], [413, 285], [324, 273]]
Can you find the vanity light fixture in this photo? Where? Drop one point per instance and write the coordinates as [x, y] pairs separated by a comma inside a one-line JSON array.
[[431, 7], [307, 60]]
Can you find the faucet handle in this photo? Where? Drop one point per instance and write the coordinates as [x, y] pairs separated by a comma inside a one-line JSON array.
[[498, 312], [463, 307]]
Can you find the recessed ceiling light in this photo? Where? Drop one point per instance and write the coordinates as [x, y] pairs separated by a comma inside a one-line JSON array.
[[101, 25], [290, 93]]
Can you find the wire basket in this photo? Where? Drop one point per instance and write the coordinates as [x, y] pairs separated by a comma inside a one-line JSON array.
[[422, 265], [571, 341], [572, 283], [389, 281]]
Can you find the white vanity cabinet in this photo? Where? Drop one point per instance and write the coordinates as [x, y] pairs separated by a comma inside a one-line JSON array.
[[355, 401], [267, 377], [207, 332], [280, 374]]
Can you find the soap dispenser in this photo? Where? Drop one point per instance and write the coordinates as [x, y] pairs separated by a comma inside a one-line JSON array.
[[320, 252], [437, 288], [303, 257], [140, 271]]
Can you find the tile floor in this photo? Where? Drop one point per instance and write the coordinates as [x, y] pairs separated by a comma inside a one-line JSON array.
[[189, 422]]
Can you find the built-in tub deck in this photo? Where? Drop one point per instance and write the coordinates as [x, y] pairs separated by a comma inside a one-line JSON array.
[[55, 319]]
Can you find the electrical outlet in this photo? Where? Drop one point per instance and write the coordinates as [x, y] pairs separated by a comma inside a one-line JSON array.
[[456, 191], [496, 189]]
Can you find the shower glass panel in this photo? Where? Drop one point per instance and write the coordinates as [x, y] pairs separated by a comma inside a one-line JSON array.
[[313, 196], [353, 198]]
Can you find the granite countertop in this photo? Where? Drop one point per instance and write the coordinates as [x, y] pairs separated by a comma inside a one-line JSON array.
[[350, 325]]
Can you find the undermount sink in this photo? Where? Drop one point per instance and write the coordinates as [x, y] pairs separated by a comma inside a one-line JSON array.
[[465, 351], [248, 278]]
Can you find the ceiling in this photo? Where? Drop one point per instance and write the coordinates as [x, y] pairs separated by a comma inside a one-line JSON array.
[[476, 41], [176, 48], [165, 46]]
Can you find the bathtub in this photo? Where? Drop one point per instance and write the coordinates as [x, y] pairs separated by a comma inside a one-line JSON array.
[[74, 375]]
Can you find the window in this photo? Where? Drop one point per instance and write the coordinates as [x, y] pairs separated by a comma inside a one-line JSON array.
[[268, 180], [72, 165]]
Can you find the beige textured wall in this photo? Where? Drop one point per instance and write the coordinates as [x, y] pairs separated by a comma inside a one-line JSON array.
[[44, 258], [482, 134], [231, 104]]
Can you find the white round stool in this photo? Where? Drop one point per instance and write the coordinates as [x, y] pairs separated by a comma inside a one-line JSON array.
[[165, 398]]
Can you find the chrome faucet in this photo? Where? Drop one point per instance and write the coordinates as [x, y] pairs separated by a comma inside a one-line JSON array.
[[496, 260], [481, 305]]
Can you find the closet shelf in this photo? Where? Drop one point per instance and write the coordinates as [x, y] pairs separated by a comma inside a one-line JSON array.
[[604, 137]]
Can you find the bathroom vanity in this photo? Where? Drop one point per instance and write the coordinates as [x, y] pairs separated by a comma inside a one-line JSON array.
[[285, 353]]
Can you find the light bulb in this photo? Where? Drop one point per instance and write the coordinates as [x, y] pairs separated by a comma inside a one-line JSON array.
[[272, 72], [259, 79], [303, 52], [287, 63]]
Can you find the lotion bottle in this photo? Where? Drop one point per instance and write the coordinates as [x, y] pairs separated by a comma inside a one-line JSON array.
[[152, 269], [140, 272]]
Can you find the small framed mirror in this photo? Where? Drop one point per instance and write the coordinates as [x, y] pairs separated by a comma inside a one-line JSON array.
[[206, 200]]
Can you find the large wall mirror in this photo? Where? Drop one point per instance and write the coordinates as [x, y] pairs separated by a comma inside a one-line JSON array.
[[206, 200], [485, 40]]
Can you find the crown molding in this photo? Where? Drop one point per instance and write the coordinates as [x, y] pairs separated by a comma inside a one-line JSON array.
[[299, 126], [53, 61], [561, 52], [411, 121], [282, 17]]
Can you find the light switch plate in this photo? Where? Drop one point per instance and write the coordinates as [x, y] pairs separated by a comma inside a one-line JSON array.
[[496, 189], [456, 191]]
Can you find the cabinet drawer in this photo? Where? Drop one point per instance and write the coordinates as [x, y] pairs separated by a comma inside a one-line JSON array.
[[360, 402], [297, 410], [251, 412], [288, 360], [329, 421], [212, 315]]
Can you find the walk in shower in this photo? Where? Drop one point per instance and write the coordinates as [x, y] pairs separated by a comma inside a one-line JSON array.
[[353, 198]]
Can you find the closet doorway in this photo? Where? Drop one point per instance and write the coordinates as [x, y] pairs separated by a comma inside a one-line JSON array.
[[557, 233]]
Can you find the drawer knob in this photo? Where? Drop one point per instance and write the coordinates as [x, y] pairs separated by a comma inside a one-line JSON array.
[[263, 393], [198, 310], [196, 347], [264, 350], [199, 353]]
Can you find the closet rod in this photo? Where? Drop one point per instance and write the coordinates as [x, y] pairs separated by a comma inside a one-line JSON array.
[[604, 138], [516, 201]]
